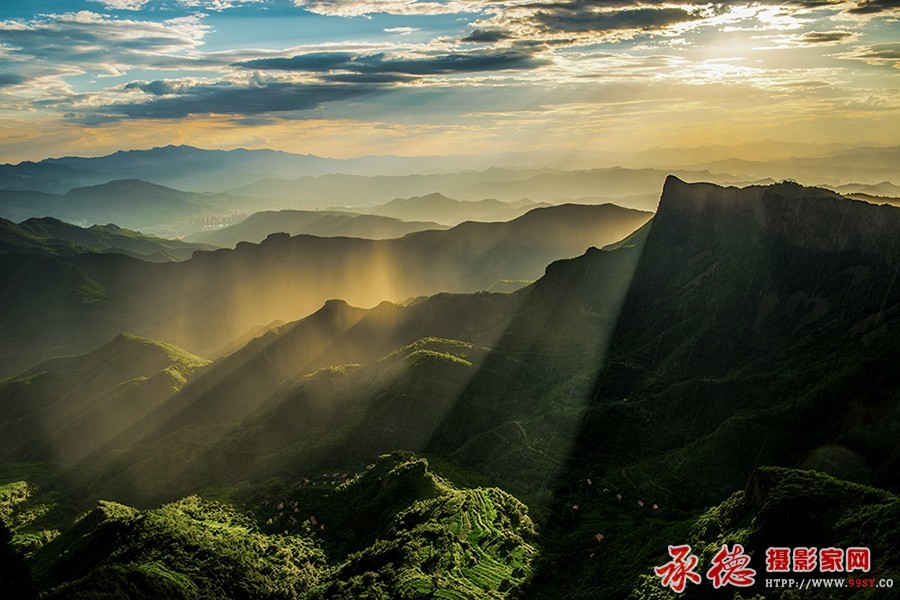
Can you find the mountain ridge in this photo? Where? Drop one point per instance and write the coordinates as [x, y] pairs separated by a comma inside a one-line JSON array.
[[260, 225]]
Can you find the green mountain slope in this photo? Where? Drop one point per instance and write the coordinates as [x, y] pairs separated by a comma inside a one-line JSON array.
[[14, 239], [66, 408], [56, 237], [299, 395], [187, 549], [112, 238], [394, 530]]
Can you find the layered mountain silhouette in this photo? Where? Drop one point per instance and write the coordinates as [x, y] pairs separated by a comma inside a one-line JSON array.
[[318, 182], [258, 226], [70, 304], [129, 203], [639, 186], [723, 373], [437, 207], [191, 168]]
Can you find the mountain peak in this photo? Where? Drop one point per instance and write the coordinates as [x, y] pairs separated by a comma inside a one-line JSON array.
[[118, 185], [811, 217]]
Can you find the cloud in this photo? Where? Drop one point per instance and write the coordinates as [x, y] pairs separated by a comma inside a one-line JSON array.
[[486, 36], [368, 78], [122, 4], [576, 17], [248, 98], [41, 52], [9, 79], [216, 5], [401, 30], [155, 88], [359, 8], [886, 54], [356, 8], [584, 22], [91, 40], [826, 37], [510, 55], [438, 64], [868, 7]]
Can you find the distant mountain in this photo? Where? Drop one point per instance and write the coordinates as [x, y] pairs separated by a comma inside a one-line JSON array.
[[173, 166], [259, 226], [205, 303], [835, 169], [437, 207], [884, 188], [130, 203], [196, 169], [641, 186], [46, 177], [18, 205]]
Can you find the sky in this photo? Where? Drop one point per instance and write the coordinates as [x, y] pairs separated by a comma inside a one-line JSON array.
[[347, 78]]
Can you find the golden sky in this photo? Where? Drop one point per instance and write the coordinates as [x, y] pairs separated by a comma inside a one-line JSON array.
[[346, 78]]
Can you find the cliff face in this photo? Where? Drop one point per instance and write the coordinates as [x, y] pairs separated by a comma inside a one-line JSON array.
[[809, 218], [760, 330]]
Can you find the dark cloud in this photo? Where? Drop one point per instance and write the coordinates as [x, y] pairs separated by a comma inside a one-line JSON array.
[[368, 78], [866, 7], [312, 61], [882, 52], [155, 88], [7, 79], [580, 18], [825, 37], [486, 36], [453, 62], [254, 98], [570, 21], [882, 55], [633, 4]]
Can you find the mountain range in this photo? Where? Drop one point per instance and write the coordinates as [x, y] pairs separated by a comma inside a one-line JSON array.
[[437, 207], [199, 169], [722, 372], [260, 225], [73, 303], [128, 203], [196, 169], [640, 186]]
